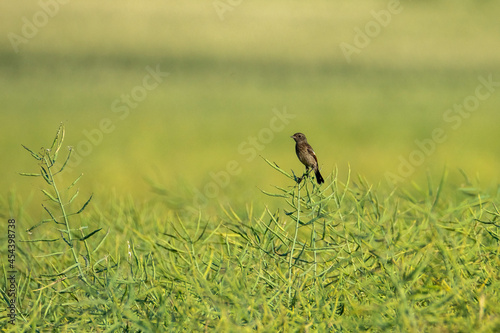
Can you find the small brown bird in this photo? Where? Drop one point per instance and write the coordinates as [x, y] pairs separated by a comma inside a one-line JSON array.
[[306, 155]]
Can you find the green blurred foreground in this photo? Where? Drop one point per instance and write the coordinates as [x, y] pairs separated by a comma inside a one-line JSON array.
[[168, 108]]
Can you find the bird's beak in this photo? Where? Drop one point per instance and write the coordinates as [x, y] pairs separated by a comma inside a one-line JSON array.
[[291, 136]]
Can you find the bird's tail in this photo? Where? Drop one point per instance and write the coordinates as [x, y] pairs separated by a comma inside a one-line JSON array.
[[319, 178]]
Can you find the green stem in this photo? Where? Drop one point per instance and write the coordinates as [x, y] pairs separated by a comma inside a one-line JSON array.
[[290, 264], [313, 246], [66, 221]]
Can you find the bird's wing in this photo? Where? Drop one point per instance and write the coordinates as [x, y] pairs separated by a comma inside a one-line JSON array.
[[311, 151]]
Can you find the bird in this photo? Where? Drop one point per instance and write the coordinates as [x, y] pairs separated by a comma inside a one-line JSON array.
[[307, 156]]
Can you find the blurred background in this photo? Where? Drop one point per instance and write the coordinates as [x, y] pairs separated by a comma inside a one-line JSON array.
[[188, 94]]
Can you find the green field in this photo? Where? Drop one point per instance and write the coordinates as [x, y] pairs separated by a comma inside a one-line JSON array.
[[172, 109]]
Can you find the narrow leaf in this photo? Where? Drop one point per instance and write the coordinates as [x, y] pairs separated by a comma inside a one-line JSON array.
[[30, 174], [32, 153], [277, 168], [84, 205], [50, 255], [67, 160], [440, 188], [66, 241], [101, 242], [472, 191], [50, 196], [39, 240], [273, 194], [52, 218], [467, 180], [50, 285], [74, 196], [58, 140], [37, 225], [76, 180], [170, 248], [63, 272], [45, 175], [91, 234]]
